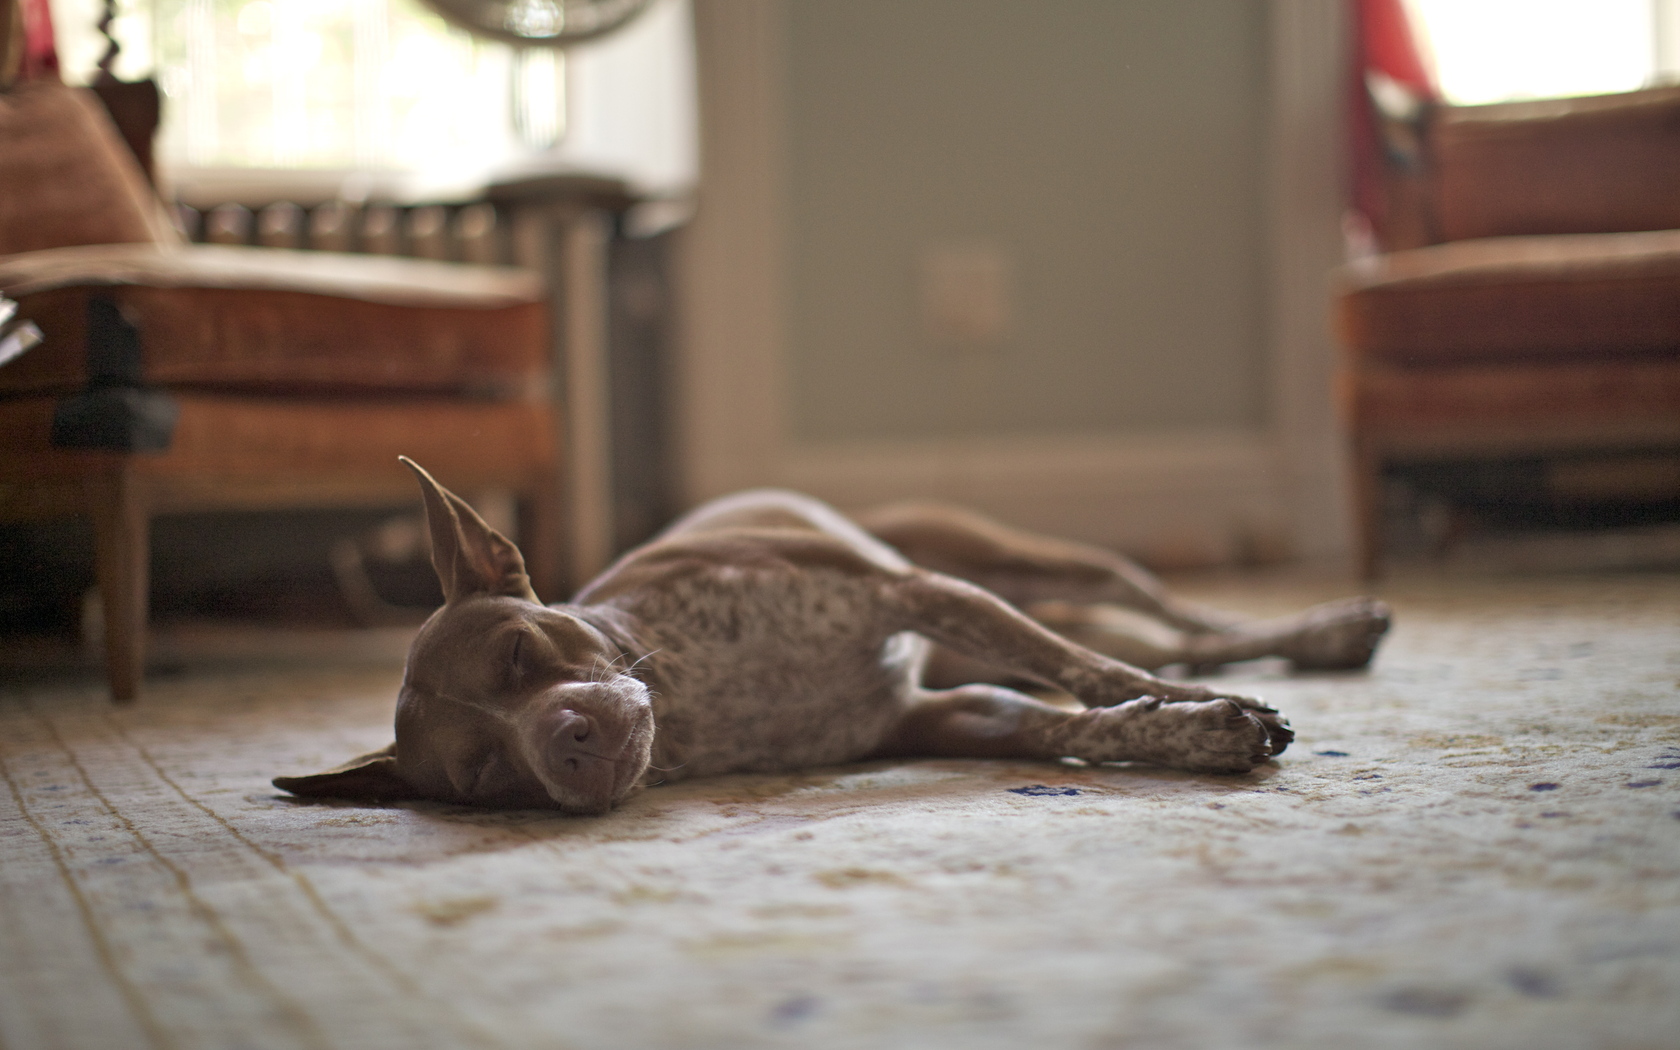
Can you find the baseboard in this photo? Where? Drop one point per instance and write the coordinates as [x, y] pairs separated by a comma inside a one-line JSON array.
[[1177, 500]]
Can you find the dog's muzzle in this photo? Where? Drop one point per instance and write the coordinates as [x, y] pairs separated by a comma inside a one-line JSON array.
[[590, 742]]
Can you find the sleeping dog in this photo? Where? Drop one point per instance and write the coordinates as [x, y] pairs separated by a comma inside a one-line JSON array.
[[764, 632]]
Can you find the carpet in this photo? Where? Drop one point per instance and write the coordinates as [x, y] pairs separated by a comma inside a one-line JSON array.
[[1476, 844]]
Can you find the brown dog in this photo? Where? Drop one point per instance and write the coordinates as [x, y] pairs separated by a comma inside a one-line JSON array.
[[764, 632]]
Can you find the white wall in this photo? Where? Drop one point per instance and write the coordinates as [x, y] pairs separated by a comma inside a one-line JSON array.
[[1161, 182], [1112, 154]]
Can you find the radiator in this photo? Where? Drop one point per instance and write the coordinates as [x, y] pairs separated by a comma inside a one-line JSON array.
[[472, 233]]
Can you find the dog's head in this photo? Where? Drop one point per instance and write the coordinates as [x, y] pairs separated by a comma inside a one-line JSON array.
[[504, 702]]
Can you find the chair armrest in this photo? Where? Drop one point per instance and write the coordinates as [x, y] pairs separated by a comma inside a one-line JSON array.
[[374, 278], [1575, 296], [270, 320], [1601, 164]]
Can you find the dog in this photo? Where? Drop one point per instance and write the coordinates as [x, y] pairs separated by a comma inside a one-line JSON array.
[[765, 632]]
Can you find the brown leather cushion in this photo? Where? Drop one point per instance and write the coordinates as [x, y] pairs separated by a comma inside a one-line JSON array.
[[1538, 397], [222, 439], [265, 319], [1511, 298], [65, 176], [1602, 164]]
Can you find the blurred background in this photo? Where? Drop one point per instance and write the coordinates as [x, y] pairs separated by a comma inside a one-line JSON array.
[[1067, 262]]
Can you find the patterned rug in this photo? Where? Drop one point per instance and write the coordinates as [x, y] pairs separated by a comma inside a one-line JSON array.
[[1477, 844]]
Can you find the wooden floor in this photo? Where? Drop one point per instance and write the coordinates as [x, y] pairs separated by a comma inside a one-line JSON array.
[[1477, 844]]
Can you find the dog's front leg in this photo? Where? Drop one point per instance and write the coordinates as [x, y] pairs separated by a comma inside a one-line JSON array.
[[977, 623], [985, 721]]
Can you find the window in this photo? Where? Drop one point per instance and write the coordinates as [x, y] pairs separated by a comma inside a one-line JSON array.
[[1499, 50], [384, 89]]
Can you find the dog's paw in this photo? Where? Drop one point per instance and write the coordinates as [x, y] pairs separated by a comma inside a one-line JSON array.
[[1279, 735], [1338, 636], [1219, 735]]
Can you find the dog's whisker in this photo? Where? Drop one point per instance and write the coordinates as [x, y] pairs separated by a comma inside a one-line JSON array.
[[599, 673], [604, 669]]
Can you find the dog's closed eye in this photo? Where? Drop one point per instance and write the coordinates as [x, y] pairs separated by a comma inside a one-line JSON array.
[[520, 654]]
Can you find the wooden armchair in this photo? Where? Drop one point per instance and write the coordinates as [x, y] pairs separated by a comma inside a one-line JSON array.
[[178, 377], [1531, 307]]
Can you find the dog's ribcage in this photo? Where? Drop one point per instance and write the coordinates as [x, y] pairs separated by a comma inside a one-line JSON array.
[[763, 668]]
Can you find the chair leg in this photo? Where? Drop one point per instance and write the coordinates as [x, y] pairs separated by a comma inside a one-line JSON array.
[[1367, 489], [540, 530], [122, 551]]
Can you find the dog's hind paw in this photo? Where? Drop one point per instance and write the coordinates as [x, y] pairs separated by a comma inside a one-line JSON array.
[[1338, 636]]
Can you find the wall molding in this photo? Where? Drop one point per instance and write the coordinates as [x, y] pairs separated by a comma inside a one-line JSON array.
[[730, 375], [1305, 195], [1166, 494]]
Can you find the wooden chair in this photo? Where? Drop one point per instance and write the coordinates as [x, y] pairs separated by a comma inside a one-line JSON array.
[[178, 377], [1530, 303]]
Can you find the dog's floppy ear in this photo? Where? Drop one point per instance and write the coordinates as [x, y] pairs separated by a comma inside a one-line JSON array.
[[373, 775], [470, 557]]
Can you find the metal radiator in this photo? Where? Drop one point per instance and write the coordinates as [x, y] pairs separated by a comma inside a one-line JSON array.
[[472, 233]]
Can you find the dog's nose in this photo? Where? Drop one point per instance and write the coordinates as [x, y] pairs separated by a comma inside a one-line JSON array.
[[579, 739], [572, 727], [579, 758], [572, 738]]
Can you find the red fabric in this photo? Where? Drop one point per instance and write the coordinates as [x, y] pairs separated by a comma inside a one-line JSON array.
[[40, 53], [1389, 45], [1383, 42]]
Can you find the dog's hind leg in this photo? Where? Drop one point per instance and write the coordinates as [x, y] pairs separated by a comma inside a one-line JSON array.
[[1024, 567], [1334, 636], [1073, 588], [1337, 635]]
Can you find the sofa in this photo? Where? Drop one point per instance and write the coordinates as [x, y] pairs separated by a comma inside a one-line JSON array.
[[1526, 305]]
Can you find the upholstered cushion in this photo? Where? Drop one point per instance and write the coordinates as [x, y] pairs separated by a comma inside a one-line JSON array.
[[224, 440], [1537, 393], [213, 316], [1626, 402], [1511, 298], [65, 176], [1603, 164]]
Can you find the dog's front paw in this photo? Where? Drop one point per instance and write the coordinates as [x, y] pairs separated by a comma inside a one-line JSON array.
[[1339, 636], [1222, 735], [1219, 735], [1279, 735]]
